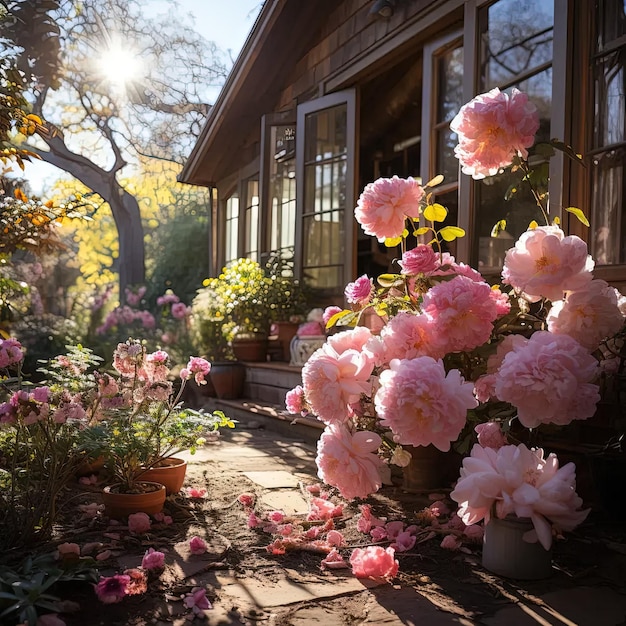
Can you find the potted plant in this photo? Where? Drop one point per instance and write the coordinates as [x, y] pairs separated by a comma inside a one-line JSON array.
[[288, 301], [140, 424]]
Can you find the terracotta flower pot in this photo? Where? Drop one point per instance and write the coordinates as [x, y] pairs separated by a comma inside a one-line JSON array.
[[228, 378], [120, 505], [168, 472], [251, 350], [429, 469]]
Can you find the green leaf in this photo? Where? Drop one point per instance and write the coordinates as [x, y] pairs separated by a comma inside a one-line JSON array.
[[579, 214], [421, 231], [450, 233], [568, 150], [435, 212], [498, 228], [336, 317]]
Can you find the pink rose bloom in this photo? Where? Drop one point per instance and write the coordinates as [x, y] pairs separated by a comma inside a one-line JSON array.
[[501, 300], [329, 311], [485, 387], [180, 311], [493, 128], [385, 204], [490, 435], [409, 335], [294, 400], [420, 260], [153, 559], [545, 263], [112, 589], [404, 541], [68, 550], [462, 311], [139, 523], [333, 380], [333, 560], [335, 538], [355, 339], [374, 562], [197, 545], [360, 291], [10, 352], [247, 499], [589, 316], [197, 601], [421, 404], [349, 461], [509, 343], [548, 380]]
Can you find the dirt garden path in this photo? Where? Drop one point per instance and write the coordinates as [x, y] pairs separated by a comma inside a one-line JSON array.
[[248, 586]]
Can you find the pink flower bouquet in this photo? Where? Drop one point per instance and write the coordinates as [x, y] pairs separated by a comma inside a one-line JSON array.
[[431, 350]]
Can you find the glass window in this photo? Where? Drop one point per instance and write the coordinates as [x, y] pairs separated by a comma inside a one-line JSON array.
[[608, 202], [231, 228], [324, 201], [251, 220], [516, 51], [282, 194]]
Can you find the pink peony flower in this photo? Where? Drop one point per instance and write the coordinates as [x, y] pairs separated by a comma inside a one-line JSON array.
[[153, 560], [197, 545], [421, 404], [247, 499], [385, 204], [520, 482], [112, 589], [490, 435], [493, 128], [589, 315], [360, 291], [334, 379], [68, 551], [10, 352], [197, 601], [420, 260], [139, 523], [294, 400], [180, 310], [374, 562], [462, 312], [548, 380], [408, 335], [197, 367], [485, 387], [545, 263], [329, 311], [333, 560], [349, 461]]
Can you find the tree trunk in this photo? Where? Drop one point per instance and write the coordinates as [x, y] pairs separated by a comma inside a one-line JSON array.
[[124, 207]]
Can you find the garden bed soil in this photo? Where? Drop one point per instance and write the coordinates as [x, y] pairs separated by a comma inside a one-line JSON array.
[[454, 583]]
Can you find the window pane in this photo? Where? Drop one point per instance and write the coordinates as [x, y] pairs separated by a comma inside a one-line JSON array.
[[611, 21], [231, 228], [447, 163], [450, 88], [517, 37], [609, 207], [610, 99]]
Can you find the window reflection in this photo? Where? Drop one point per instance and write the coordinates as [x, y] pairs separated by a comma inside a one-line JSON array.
[[231, 251]]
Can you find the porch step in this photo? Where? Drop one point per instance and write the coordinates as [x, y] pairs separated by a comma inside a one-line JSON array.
[[256, 414], [268, 383]]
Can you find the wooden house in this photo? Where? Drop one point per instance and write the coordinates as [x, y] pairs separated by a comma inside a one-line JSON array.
[[328, 95]]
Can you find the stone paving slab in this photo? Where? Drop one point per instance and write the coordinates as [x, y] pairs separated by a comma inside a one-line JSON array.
[[273, 479], [291, 502], [289, 588], [583, 606]]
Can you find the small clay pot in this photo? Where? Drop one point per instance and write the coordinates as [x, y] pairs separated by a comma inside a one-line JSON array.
[[120, 505], [169, 472]]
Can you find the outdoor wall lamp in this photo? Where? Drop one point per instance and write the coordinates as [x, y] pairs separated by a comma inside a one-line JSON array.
[[383, 8]]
